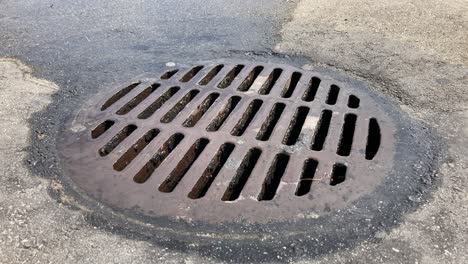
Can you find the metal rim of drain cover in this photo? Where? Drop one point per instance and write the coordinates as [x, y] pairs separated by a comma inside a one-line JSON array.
[[239, 146]]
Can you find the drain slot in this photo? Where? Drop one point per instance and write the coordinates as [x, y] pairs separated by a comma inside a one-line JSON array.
[[322, 130], [271, 81], [273, 178], [116, 140], [333, 95], [309, 94], [269, 125], [250, 79], [134, 150], [353, 101], [347, 134], [218, 121], [246, 118], [291, 85], [137, 100], [295, 126], [169, 116], [102, 128], [338, 174], [201, 110], [211, 75], [242, 175], [184, 165], [162, 153], [150, 110], [210, 173], [190, 74], [373, 139], [119, 95], [169, 74], [307, 176], [230, 76]]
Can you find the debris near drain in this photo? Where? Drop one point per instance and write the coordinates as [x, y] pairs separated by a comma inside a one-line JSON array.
[[40, 135]]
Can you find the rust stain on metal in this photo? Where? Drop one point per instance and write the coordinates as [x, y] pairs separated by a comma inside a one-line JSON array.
[[230, 142]]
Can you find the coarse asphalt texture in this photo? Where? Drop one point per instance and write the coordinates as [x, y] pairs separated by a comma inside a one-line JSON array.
[[412, 51]]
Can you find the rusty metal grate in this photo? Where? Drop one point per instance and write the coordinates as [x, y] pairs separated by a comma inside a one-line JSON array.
[[213, 140]]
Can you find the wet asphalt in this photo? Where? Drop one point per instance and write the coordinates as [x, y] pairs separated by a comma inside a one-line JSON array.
[[81, 43]]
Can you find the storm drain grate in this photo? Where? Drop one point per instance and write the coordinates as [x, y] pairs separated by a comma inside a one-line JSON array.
[[244, 135]]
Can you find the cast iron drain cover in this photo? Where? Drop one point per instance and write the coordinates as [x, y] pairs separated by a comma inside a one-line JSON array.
[[227, 142]]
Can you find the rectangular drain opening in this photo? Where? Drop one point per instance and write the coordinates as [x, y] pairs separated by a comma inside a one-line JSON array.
[[211, 171], [134, 150], [218, 121], [162, 153], [338, 174], [213, 72], [347, 135], [102, 128], [229, 78], [271, 81], [249, 80], [117, 96], [198, 113], [295, 126], [190, 74], [269, 124], [137, 99], [153, 107], [322, 130], [307, 176], [246, 118], [184, 165], [242, 175], [169, 116], [309, 94], [373, 139], [116, 140], [291, 84], [273, 177]]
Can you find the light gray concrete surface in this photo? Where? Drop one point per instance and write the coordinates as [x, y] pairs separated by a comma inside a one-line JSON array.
[[414, 51]]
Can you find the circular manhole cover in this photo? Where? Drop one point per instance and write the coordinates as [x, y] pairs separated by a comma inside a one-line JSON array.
[[222, 143], [247, 157]]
